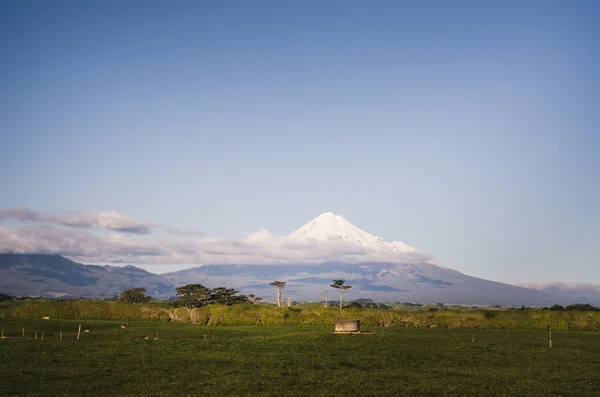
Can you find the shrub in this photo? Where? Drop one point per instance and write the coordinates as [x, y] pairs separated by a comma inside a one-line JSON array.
[[134, 295], [582, 307], [557, 308]]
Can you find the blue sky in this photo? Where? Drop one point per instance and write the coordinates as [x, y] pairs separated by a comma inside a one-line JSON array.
[[467, 130]]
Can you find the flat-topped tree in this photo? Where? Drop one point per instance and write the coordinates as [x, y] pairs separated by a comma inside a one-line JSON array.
[[253, 299], [278, 287], [339, 285], [226, 296], [193, 295]]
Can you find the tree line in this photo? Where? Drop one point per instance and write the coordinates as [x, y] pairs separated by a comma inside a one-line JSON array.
[[337, 284], [191, 296], [577, 307], [197, 295]]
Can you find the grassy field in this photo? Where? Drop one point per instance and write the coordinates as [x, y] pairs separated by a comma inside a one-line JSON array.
[[194, 360]]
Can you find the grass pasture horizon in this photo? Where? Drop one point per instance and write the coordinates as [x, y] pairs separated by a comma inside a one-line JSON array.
[[192, 360]]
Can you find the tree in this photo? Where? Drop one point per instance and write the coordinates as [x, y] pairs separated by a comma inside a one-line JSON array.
[[196, 295], [134, 295], [225, 296], [582, 307], [193, 295], [253, 299], [278, 287], [325, 303], [288, 300], [339, 285]]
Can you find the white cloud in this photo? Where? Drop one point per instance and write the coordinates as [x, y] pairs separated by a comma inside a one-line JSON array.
[[111, 220], [559, 286], [108, 220], [258, 248], [261, 235]]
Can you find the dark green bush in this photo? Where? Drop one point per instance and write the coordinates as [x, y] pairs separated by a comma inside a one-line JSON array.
[[582, 307], [4, 297]]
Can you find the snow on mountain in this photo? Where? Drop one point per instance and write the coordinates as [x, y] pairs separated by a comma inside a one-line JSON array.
[[330, 227]]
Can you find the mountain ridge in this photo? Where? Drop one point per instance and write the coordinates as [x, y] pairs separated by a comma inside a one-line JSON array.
[[57, 277], [53, 275], [422, 283]]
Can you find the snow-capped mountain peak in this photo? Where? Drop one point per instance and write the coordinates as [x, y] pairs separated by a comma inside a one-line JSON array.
[[328, 226]]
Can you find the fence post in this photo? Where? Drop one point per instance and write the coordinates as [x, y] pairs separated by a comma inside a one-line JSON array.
[[79, 332]]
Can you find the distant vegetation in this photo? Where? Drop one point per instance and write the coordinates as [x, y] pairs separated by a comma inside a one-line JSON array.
[[308, 314], [4, 297], [198, 304], [579, 307]]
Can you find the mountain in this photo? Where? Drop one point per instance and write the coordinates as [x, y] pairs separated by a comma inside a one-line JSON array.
[[54, 276], [409, 281], [330, 227], [394, 271], [382, 282]]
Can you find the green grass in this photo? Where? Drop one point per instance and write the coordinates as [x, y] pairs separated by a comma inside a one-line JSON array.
[[7, 307], [291, 361]]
